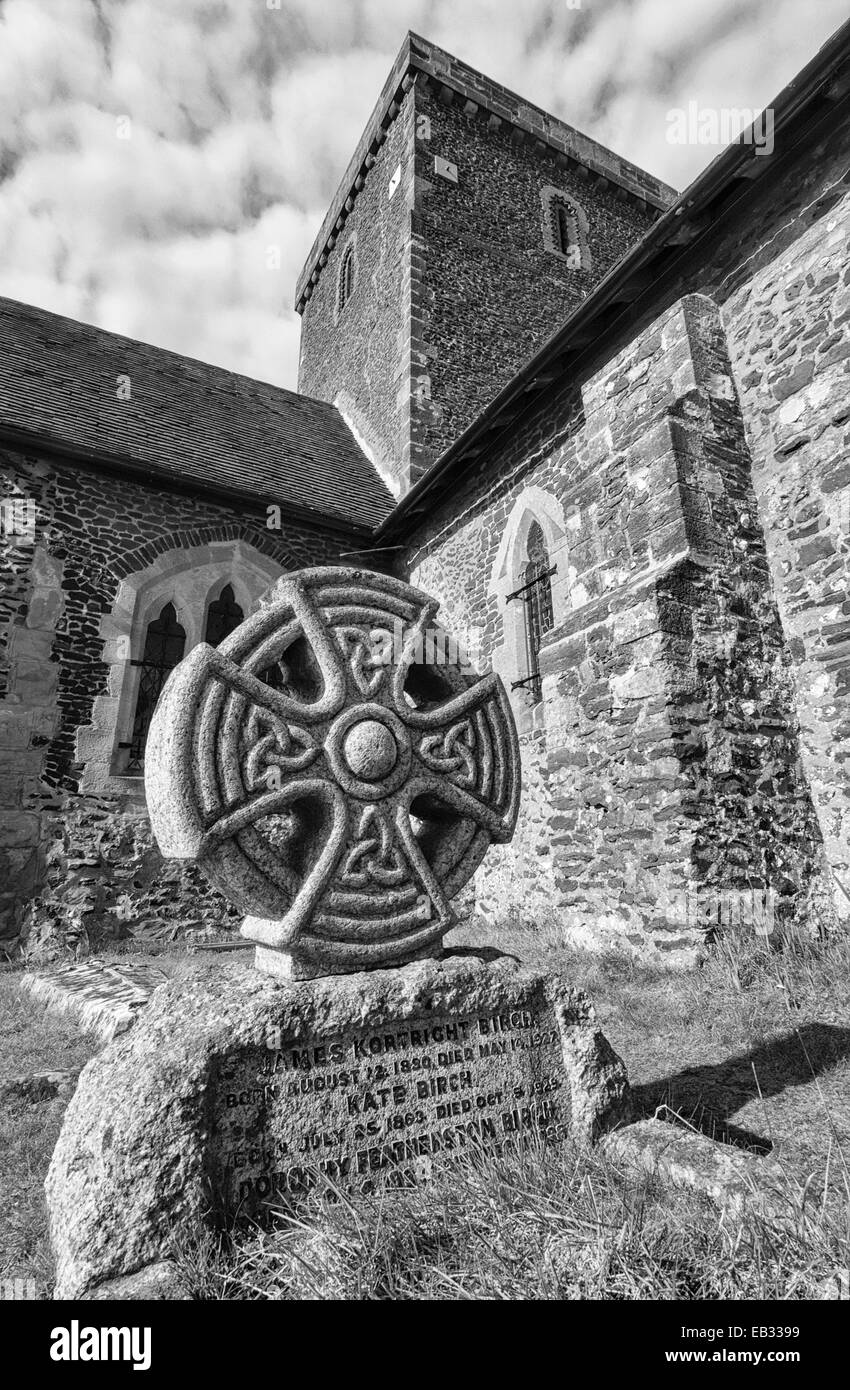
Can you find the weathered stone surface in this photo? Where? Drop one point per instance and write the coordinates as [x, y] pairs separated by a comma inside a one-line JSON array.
[[344, 811], [106, 999], [234, 1089], [662, 777], [107, 882], [735, 1180]]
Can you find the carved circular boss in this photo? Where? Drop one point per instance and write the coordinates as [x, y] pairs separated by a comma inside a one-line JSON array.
[[334, 769]]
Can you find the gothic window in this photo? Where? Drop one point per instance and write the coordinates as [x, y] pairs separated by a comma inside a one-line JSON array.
[[223, 615], [535, 592], [165, 640], [565, 228], [347, 278]]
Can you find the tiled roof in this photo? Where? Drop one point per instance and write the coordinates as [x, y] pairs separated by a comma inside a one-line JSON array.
[[185, 420]]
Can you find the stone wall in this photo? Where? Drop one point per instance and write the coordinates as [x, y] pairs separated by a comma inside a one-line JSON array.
[[662, 762], [489, 288], [785, 295], [775, 261], [358, 356], [457, 280], [89, 854]]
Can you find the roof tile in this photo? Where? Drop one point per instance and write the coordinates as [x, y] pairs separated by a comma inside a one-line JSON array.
[[196, 422]]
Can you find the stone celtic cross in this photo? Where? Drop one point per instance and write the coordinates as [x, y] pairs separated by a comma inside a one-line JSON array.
[[334, 771]]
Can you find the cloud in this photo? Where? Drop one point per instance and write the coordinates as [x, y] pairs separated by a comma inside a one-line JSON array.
[[242, 115]]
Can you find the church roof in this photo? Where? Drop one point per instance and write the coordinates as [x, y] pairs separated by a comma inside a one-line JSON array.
[[184, 423]]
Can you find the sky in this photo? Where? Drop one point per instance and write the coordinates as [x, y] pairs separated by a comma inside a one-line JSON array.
[[166, 164]]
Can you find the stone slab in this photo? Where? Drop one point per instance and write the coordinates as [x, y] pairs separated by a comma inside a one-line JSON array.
[[736, 1181], [105, 999], [234, 1089]]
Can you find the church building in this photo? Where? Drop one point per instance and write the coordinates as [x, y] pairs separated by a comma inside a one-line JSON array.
[[606, 426]]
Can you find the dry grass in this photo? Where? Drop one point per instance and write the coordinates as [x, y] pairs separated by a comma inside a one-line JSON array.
[[31, 1040], [532, 1225], [752, 1047]]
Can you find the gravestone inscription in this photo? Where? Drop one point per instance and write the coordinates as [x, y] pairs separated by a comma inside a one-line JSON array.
[[235, 1092], [381, 1103]]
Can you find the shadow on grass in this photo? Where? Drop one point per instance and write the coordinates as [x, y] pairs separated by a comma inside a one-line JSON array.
[[705, 1096]]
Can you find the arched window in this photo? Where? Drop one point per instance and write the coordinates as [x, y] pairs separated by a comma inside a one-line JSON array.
[[223, 615], [536, 594], [165, 641], [186, 577], [565, 228], [347, 277]]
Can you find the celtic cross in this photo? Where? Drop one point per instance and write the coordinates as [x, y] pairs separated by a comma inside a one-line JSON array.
[[334, 771]]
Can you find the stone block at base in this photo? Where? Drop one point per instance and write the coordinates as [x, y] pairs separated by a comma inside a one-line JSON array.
[[284, 965], [235, 1088]]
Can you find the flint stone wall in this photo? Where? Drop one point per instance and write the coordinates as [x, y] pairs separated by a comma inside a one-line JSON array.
[[785, 298], [91, 857], [487, 290], [775, 266], [456, 287], [358, 356]]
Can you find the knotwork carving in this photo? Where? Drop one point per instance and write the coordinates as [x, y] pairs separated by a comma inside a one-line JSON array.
[[451, 752], [344, 811]]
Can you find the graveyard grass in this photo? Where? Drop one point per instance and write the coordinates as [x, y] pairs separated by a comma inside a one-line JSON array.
[[754, 1046], [31, 1040]]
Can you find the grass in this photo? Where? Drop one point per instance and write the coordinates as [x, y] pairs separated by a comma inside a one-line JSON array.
[[35, 1040], [527, 1225], [753, 1047], [31, 1040]]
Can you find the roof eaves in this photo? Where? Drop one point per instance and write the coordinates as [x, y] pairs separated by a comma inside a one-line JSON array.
[[162, 478]]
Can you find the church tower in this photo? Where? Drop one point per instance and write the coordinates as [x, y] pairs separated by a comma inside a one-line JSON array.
[[467, 227]]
